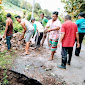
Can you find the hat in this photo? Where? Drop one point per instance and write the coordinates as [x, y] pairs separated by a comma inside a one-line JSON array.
[[32, 19], [81, 14]]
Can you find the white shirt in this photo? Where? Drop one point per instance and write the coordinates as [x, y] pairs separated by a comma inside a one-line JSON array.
[[52, 25], [28, 25], [39, 26]]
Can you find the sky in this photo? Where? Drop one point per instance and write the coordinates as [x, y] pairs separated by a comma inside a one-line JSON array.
[[51, 5]]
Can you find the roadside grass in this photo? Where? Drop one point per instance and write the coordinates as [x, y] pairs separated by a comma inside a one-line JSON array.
[[9, 6], [6, 59], [84, 41]]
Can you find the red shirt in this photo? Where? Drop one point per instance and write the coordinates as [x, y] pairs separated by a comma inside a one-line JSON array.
[[70, 30]]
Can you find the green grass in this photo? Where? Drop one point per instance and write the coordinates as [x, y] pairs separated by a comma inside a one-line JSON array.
[[9, 6], [6, 59], [84, 41], [2, 32]]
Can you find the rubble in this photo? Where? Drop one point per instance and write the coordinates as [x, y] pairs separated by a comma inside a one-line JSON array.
[[16, 42]]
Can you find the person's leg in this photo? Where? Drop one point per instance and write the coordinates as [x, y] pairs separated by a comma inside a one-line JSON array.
[[44, 37], [77, 51], [27, 39], [53, 48], [70, 50], [27, 47], [48, 40], [52, 54], [36, 40], [8, 42], [64, 58], [40, 38]]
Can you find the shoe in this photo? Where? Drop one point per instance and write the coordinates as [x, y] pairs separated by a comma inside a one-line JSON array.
[[76, 54], [68, 64], [62, 67]]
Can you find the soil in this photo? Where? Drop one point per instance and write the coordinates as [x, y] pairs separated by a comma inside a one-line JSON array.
[[15, 78]]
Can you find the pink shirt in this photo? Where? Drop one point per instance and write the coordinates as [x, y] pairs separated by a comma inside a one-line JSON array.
[[70, 30], [52, 25]]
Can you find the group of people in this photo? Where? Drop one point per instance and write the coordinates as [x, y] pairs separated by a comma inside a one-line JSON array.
[[57, 34]]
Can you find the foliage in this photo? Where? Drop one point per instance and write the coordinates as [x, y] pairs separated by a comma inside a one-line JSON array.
[[74, 7], [17, 27], [22, 4], [61, 19], [47, 12], [0, 1], [5, 60], [37, 8], [29, 16]]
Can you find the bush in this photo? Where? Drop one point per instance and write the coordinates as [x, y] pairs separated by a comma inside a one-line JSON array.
[[17, 27], [29, 16]]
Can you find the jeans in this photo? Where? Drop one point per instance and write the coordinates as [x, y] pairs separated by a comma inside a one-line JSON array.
[[65, 51], [8, 38]]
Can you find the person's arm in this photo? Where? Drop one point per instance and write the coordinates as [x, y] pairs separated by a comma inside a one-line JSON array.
[[61, 38], [7, 24], [23, 25], [77, 37], [23, 33], [57, 28]]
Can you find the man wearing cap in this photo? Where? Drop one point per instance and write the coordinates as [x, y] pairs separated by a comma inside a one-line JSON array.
[[40, 31], [81, 30]]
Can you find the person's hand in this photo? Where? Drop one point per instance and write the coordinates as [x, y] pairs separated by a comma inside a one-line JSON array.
[[59, 44], [4, 36], [78, 45], [48, 30], [22, 36]]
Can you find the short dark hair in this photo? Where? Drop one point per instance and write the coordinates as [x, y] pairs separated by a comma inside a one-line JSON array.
[[68, 17], [82, 14], [18, 17], [56, 13], [42, 14], [32, 19], [8, 15]]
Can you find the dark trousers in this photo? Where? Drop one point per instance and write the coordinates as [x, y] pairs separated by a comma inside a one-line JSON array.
[[8, 38], [81, 36], [65, 51], [38, 39]]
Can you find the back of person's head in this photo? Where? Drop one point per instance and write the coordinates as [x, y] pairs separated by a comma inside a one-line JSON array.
[[8, 15], [82, 14], [18, 17], [68, 17], [56, 13]]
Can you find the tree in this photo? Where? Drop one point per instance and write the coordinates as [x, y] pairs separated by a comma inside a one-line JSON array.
[[47, 13], [37, 8], [74, 7]]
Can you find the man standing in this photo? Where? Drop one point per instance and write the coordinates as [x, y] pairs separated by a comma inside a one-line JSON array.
[[8, 31], [69, 33], [54, 27], [28, 31], [81, 30], [44, 22], [40, 31]]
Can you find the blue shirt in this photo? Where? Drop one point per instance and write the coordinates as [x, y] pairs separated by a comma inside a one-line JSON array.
[[81, 25]]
